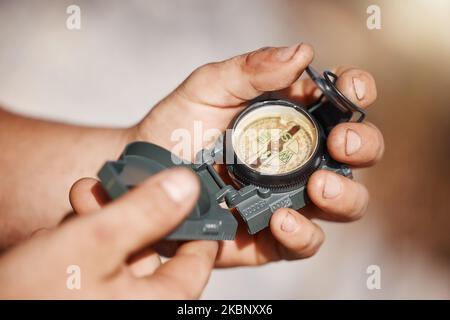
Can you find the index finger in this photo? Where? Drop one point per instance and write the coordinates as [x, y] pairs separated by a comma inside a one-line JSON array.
[[356, 84]]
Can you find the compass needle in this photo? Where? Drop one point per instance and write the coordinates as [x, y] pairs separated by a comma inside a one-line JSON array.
[[287, 126]]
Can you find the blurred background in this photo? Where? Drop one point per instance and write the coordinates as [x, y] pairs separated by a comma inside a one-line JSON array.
[[128, 55]]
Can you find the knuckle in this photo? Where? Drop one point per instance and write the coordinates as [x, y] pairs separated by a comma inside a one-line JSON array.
[[253, 60], [206, 68], [202, 74], [104, 232]]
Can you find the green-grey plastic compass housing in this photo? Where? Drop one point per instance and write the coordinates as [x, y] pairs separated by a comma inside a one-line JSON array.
[[254, 203], [140, 160]]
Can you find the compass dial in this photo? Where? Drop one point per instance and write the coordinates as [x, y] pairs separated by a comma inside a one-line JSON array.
[[275, 139]]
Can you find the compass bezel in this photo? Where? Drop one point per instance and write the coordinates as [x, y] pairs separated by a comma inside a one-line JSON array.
[[243, 174]]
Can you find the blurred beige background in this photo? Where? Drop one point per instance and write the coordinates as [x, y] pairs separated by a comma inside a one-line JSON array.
[[128, 55]]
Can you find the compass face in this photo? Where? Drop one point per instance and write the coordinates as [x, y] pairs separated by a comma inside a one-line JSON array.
[[275, 139]]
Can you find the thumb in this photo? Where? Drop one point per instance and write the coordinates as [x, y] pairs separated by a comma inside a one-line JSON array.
[[140, 217], [242, 78], [87, 196]]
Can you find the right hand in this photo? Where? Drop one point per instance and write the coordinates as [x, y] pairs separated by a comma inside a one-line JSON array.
[[216, 92], [103, 243]]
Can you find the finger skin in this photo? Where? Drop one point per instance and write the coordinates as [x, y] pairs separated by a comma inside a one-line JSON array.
[[350, 203], [352, 81], [217, 91], [137, 219], [301, 241], [186, 274], [357, 144], [87, 196], [305, 91], [242, 78]]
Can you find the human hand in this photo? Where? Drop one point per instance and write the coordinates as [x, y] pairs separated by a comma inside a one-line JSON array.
[[103, 243], [216, 92]]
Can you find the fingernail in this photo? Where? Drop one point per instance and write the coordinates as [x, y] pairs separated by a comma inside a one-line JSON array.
[[289, 224], [352, 142], [360, 88], [178, 186], [332, 187], [286, 53]]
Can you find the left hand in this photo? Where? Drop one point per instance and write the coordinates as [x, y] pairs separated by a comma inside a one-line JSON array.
[[215, 93], [100, 246]]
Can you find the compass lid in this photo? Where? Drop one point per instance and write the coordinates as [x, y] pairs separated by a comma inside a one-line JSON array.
[[327, 84]]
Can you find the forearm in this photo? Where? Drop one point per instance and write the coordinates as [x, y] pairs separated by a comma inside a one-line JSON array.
[[39, 161]]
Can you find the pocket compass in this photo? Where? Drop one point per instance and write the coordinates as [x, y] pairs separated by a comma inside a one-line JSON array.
[[270, 150]]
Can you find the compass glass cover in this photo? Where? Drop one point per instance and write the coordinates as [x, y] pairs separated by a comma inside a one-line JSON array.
[[274, 139]]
